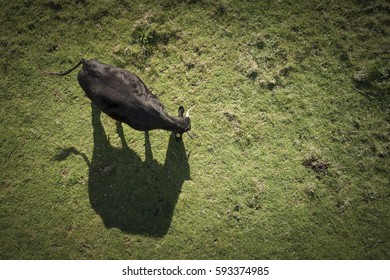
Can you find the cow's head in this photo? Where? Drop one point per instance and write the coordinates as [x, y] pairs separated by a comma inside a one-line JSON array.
[[186, 124]]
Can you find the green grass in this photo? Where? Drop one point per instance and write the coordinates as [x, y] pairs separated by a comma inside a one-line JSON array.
[[274, 85]]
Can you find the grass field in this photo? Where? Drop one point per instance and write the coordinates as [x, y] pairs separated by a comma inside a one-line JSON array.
[[291, 120]]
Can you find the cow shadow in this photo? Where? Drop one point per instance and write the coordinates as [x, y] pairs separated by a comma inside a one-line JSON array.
[[135, 196]]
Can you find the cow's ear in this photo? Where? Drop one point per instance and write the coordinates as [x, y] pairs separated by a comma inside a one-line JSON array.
[[181, 111]]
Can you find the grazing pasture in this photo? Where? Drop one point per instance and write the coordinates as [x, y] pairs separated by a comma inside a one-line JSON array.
[[290, 119]]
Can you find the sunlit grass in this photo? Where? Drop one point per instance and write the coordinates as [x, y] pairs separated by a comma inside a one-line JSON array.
[[278, 88]]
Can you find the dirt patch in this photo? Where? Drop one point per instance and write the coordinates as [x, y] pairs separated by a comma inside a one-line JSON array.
[[316, 164], [230, 116]]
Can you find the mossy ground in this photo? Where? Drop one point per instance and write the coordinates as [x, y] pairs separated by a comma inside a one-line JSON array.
[[279, 89]]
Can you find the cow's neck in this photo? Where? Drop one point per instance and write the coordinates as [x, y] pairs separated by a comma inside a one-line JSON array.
[[175, 124]]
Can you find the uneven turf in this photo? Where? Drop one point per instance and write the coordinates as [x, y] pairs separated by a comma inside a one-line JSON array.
[[291, 120]]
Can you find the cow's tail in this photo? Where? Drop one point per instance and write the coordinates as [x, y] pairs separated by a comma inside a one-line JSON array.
[[82, 61]]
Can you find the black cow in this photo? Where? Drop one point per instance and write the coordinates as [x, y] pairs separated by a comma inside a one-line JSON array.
[[124, 97]]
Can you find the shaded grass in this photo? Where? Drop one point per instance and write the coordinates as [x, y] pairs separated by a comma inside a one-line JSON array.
[[273, 84]]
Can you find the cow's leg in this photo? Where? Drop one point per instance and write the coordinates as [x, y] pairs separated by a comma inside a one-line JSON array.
[[119, 130], [148, 148]]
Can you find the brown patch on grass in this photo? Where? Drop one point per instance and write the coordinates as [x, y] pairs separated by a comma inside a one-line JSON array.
[[316, 164]]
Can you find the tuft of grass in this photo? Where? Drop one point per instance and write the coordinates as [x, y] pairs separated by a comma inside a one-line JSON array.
[[273, 85]]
